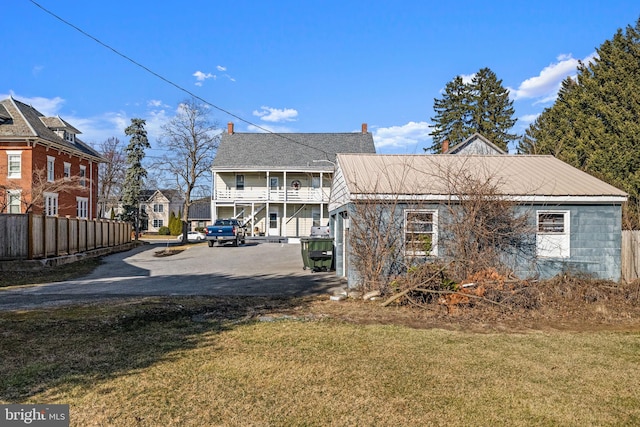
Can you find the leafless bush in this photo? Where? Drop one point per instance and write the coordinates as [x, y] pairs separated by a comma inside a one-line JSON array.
[[478, 228]]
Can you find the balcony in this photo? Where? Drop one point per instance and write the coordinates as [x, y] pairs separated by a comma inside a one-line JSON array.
[[302, 195]]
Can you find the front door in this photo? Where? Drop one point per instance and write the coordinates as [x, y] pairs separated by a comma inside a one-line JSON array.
[[274, 222]]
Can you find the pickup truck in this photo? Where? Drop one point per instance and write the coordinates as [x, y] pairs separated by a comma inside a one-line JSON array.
[[226, 230]]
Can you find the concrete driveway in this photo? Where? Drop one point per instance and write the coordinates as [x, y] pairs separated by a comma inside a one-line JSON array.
[[265, 269]]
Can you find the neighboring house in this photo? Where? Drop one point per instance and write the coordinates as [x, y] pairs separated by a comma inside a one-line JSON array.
[[575, 218], [200, 213], [475, 144], [158, 205], [278, 184], [44, 166]]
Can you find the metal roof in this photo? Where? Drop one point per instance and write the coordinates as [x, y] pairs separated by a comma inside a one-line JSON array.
[[513, 175], [290, 151]]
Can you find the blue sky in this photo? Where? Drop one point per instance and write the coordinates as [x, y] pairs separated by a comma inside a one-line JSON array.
[[293, 66]]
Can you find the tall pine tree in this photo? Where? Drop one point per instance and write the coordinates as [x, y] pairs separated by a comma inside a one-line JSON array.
[[492, 110], [453, 115], [135, 174], [482, 106], [594, 124]]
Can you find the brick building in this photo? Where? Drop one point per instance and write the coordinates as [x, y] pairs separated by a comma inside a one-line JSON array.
[[44, 167]]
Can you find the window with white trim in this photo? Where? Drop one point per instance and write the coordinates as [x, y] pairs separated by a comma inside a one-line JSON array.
[[67, 170], [157, 223], [68, 136], [14, 162], [51, 204], [239, 182], [83, 175], [157, 207], [51, 164], [14, 198], [82, 207], [553, 234], [420, 232]]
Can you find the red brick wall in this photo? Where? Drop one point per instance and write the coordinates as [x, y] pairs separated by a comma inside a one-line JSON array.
[[34, 159]]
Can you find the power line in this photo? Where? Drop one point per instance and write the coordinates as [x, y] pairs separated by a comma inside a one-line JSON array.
[[166, 80]]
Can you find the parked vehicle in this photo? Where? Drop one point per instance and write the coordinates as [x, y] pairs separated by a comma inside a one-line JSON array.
[[226, 230], [193, 236]]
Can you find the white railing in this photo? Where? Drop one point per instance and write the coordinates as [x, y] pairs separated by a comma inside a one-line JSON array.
[[300, 195]]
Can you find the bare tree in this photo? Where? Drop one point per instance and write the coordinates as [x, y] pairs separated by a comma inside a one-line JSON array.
[[111, 174], [192, 140], [34, 197]]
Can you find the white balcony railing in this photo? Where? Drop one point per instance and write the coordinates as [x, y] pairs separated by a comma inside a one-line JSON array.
[[301, 195]]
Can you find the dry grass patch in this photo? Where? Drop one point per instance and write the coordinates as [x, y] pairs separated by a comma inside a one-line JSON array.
[[197, 361], [49, 274]]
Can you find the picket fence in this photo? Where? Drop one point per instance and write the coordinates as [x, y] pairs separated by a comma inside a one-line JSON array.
[[32, 236]]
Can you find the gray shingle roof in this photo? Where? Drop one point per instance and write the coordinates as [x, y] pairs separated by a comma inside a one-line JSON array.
[[27, 122], [269, 151]]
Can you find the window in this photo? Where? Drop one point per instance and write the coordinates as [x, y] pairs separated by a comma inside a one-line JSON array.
[[157, 223], [315, 216], [51, 162], [13, 202], [158, 207], [50, 204], [68, 136], [14, 160], [67, 170], [315, 182], [239, 182], [553, 237], [274, 183], [420, 232], [82, 207], [83, 175]]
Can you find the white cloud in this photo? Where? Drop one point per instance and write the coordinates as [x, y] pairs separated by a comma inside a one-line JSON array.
[[409, 138], [221, 68], [466, 78], [47, 106], [544, 87], [37, 70], [527, 119], [201, 77], [276, 115]]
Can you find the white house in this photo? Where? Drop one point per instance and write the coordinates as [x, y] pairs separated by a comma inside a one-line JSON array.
[[279, 184]]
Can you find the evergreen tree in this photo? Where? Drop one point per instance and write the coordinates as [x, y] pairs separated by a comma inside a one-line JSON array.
[[492, 110], [594, 124], [135, 174], [453, 115], [481, 106]]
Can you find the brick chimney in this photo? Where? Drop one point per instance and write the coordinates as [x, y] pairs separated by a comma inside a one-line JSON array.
[[230, 128], [364, 128], [445, 146]]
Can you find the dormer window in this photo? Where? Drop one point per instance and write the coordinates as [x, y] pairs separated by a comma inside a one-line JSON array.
[[69, 137]]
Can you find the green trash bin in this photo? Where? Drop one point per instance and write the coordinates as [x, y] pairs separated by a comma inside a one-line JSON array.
[[317, 253]]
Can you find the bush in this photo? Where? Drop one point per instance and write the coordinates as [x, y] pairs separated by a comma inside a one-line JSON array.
[[163, 231]]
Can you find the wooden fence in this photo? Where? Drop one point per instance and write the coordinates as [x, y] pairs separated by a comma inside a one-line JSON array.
[[630, 255], [30, 236]]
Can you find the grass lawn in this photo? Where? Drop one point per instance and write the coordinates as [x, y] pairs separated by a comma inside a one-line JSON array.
[[198, 361]]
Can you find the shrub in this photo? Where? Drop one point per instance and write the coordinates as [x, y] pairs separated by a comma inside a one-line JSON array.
[[163, 231]]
